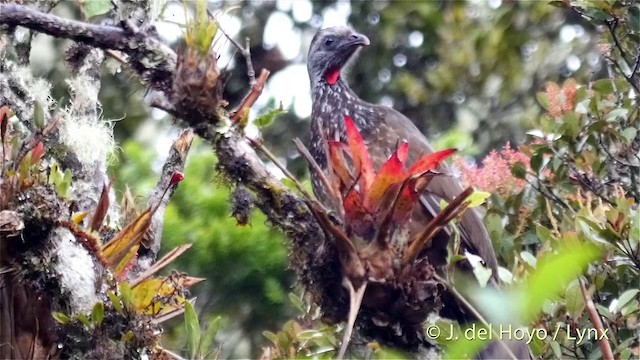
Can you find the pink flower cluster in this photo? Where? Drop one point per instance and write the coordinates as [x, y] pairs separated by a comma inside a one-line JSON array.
[[495, 174], [561, 99]]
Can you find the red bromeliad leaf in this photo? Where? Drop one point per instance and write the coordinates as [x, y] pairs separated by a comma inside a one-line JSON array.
[[403, 151], [429, 162], [359, 220], [391, 172], [338, 162], [410, 193], [359, 153]]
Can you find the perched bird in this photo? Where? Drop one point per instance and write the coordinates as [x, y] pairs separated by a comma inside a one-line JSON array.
[[382, 129]]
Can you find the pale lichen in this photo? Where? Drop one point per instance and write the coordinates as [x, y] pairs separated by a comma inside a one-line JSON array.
[[76, 269]]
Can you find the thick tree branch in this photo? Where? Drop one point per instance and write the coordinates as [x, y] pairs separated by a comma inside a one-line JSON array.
[[149, 57]]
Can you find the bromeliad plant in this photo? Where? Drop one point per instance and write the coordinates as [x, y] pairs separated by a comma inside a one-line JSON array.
[[377, 242]]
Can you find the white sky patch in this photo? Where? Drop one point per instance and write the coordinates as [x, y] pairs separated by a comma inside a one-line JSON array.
[[302, 11], [299, 95], [279, 31], [415, 39], [284, 5], [337, 14], [168, 27], [568, 33], [573, 63]]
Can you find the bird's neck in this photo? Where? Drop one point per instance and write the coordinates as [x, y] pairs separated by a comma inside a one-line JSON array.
[[332, 102], [338, 93]]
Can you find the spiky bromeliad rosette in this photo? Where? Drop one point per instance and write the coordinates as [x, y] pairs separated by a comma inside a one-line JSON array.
[[380, 247]]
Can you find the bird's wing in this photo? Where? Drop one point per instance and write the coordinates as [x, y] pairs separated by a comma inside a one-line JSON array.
[[446, 186]]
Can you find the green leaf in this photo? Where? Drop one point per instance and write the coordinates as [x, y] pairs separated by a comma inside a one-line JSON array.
[[631, 308], [209, 335], [634, 18], [557, 3], [614, 114], [97, 314], [125, 295], [84, 320], [554, 271], [505, 275], [115, 301], [477, 198], [603, 86], [271, 336], [543, 100], [555, 346], [468, 345], [38, 115], [297, 303], [529, 258], [519, 171], [574, 300], [629, 134], [266, 119], [544, 234], [93, 8], [193, 329], [129, 335], [60, 317], [627, 296]]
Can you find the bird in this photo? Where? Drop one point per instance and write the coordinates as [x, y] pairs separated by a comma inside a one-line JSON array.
[[382, 128]]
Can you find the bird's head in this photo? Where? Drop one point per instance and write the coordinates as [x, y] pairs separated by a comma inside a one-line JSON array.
[[330, 50]]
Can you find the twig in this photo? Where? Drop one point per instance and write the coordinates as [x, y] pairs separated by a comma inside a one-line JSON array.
[[612, 25], [250, 99], [477, 314], [246, 53], [453, 209], [258, 146], [605, 347], [164, 261], [153, 237], [116, 56], [314, 165]]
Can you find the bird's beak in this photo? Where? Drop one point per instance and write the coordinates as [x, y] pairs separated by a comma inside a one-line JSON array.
[[358, 39]]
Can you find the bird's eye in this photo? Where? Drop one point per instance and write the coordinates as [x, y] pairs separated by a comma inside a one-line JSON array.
[[328, 42]]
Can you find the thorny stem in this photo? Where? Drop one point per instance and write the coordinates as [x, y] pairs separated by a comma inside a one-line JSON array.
[[475, 313], [605, 347]]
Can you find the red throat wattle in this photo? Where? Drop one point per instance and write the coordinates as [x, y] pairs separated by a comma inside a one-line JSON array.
[[332, 76]]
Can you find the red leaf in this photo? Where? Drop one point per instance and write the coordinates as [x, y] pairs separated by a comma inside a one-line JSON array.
[[357, 218], [37, 153], [410, 194], [359, 152], [338, 162], [391, 172], [429, 162], [405, 200], [403, 151]]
